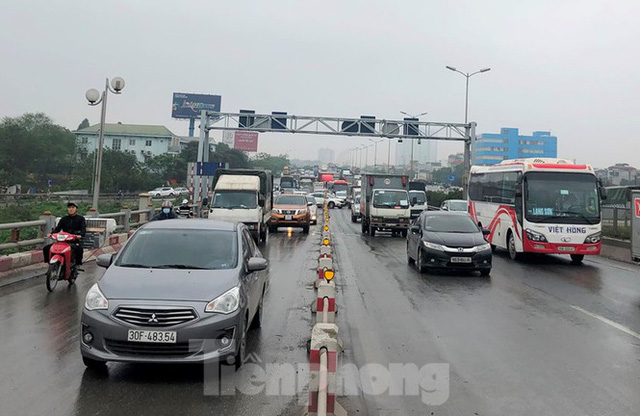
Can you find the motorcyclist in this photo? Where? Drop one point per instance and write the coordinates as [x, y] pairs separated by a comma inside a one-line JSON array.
[[185, 209], [72, 224], [166, 213]]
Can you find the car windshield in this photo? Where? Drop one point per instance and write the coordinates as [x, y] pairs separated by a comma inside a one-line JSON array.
[[450, 224], [311, 199], [420, 197], [567, 198], [235, 199], [291, 200], [341, 194], [390, 199], [180, 249], [458, 206]]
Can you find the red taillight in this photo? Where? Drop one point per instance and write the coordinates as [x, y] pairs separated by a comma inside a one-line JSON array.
[[371, 180], [404, 181]]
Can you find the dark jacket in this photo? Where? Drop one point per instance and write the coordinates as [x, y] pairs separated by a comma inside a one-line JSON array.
[[75, 224], [162, 216]]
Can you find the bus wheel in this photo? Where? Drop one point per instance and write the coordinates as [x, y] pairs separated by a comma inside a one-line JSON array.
[[577, 258], [511, 245]]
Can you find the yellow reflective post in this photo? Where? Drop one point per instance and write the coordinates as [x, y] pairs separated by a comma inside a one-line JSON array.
[[329, 274], [326, 241], [326, 228]]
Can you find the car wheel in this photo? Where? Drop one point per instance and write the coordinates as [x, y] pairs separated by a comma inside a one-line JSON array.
[[305, 229], [410, 259], [485, 272], [241, 355], [493, 248], [94, 364], [577, 258], [172, 195], [420, 262], [331, 205], [511, 245], [403, 233], [257, 319], [158, 196], [273, 229]]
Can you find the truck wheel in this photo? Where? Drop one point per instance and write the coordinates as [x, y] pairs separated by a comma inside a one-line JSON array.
[[372, 231], [354, 218], [263, 234], [403, 233], [364, 227]]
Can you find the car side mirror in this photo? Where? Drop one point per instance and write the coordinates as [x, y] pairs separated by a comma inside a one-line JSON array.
[[256, 264], [261, 202], [415, 229], [104, 260], [444, 208], [486, 232], [310, 203]]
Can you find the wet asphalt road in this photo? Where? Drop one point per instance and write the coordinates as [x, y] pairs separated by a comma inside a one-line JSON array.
[[539, 337]]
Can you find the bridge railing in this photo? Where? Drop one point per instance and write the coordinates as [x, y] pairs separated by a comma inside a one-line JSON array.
[[126, 220]]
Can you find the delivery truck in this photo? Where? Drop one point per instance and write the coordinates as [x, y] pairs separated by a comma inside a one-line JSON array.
[[384, 204]]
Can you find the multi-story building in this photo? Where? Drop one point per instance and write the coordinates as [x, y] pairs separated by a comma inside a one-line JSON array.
[[425, 152], [326, 155], [143, 141], [620, 174], [491, 148]]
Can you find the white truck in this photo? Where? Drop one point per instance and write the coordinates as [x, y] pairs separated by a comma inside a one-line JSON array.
[[243, 195], [384, 204]]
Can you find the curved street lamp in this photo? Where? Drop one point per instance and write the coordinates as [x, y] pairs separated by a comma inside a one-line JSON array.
[[467, 75], [94, 98]]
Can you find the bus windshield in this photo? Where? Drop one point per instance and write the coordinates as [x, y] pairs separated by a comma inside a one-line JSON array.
[[564, 198]]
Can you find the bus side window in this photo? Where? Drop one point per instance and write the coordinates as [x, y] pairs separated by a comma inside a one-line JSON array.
[[509, 187]]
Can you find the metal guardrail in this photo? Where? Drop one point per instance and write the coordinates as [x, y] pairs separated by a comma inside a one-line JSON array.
[[126, 219]]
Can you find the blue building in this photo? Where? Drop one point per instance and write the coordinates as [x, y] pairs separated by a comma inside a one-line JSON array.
[[492, 148]]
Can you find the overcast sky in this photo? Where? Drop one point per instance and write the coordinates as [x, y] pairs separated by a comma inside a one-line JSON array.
[[568, 66]]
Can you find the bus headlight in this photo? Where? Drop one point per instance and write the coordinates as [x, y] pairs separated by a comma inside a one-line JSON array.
[[593, 238], [534, 236]]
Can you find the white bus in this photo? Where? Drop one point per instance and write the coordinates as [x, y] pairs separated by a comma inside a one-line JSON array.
[[538, 206]]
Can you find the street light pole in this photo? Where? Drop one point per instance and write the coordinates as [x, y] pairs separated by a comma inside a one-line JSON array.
[[94, 98], [467, 75], [389, 158]]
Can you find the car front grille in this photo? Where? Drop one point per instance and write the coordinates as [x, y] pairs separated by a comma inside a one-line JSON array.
[[155, 317], [148, 349]]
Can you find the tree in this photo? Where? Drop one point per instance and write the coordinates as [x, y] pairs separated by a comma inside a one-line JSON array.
[[84, 124], [269, 162], [120, 171], [32, 148], [235, 158]]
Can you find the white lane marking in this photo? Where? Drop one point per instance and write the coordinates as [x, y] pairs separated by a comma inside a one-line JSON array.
[[608, 322]]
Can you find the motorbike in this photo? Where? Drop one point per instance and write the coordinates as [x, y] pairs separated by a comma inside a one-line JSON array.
[[61, 267]]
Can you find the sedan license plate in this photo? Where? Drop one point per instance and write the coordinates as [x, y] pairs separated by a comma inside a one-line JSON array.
[[287, 217], [460, 259], [161, 337], [561, 248]]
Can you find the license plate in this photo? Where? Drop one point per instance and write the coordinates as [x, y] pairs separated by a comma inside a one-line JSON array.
[[460, 259], [161, 337], [566, 248], [287, 217]]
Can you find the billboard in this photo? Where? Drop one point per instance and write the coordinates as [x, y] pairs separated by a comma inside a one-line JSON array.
[[246, 141], [187, 105]]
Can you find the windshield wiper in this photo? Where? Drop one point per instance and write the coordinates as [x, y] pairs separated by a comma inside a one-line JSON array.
[[179, 266], [140, 266]]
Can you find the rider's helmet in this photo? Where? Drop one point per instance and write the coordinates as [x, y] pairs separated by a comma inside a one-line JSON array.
[[167, 204], [185, 202]]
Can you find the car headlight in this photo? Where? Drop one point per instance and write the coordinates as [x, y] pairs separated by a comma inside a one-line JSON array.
[[225, 303], [593, 238], [95, 299], [534, 236], [433, 246], [483, 247]]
